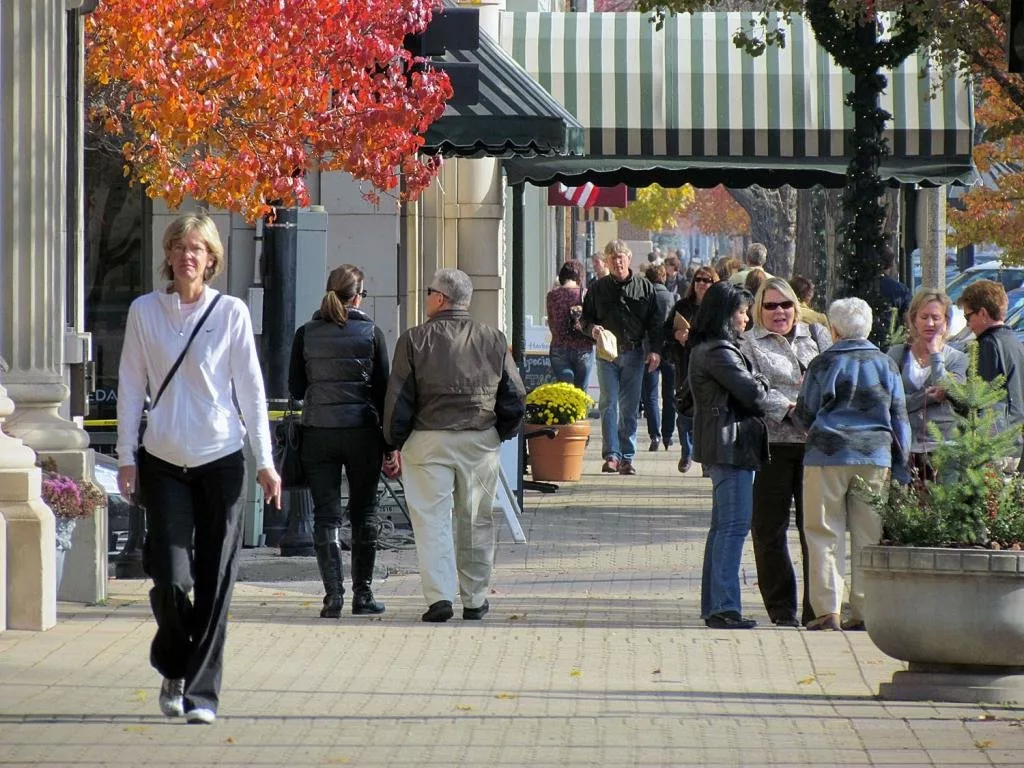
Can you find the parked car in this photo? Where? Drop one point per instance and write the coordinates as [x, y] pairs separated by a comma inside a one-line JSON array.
[[1010, 277]]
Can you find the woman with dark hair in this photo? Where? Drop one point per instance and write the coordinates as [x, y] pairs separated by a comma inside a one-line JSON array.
[[677, 350], [339, 369], [731, 440], [572, 352]]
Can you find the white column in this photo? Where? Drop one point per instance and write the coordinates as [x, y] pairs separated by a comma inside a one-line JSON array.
[[33, 271], [931, 227], [32, 251], [28, 580]]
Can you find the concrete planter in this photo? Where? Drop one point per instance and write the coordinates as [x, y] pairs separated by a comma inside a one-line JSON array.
[[957, 617]]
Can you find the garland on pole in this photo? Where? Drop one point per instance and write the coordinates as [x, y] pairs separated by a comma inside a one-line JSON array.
[[855, 46]]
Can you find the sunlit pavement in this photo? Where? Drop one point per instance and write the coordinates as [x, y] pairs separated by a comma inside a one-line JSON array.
[[593, 654]]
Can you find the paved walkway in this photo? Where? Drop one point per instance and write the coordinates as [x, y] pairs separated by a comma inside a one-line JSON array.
[[593, 654]]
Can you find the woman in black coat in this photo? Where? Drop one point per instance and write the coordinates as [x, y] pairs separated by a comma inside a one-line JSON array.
[[339, 369], [730, 439]]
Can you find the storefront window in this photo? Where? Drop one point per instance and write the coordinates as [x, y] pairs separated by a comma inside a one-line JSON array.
[[117, 270]]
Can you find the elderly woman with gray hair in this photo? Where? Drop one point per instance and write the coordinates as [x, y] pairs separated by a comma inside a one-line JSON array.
[[853, 406], [781, 346]]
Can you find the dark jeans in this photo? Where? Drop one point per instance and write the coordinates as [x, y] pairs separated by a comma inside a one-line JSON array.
[[723, 550], [685, 424], [572, 365], [194, 533], [660, 422], [779, 483], [325, 452]]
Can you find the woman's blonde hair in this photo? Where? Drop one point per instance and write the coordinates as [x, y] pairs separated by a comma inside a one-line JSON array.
[[922, 297], [343, 284], [202, 225], [783, 287]]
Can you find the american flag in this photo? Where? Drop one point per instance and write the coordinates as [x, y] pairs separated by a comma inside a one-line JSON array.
[[584, 196]]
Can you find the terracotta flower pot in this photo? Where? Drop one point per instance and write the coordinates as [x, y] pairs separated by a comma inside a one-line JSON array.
[[559, 458]]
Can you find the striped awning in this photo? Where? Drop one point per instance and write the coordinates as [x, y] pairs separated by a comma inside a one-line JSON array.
[[683, 104], [514, 117]]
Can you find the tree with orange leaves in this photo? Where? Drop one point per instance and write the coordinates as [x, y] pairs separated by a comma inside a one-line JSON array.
[[715, 212], [232, 102], [993, 212]]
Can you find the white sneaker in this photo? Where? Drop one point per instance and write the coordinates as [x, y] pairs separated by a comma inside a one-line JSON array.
[[201, 716], [171, 692]]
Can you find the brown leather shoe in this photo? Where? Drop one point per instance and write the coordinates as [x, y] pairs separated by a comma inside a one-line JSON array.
[[828, 622], [627, 468], [611, 465]]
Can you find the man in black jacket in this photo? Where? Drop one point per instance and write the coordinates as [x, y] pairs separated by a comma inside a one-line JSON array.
[[1000, 352], [623, 303], [454, 394]]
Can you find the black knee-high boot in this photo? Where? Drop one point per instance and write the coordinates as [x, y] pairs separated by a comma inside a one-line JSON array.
[[364, 557], [328, 558]]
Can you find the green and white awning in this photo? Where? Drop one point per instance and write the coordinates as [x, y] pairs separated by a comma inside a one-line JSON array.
[[684, 104]]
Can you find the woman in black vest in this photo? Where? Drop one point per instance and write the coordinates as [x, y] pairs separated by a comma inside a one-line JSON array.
[[339, 369]]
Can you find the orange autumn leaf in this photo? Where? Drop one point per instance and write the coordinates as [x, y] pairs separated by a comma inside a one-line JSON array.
[[232, 103]]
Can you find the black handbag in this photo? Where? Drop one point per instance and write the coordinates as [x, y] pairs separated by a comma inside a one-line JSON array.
[[141, 455], [288, 450]]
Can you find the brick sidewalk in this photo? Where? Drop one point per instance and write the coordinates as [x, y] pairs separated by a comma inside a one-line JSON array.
[[593, 654]]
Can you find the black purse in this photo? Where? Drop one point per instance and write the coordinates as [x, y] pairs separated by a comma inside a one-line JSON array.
[[141, 455], [288, 450]]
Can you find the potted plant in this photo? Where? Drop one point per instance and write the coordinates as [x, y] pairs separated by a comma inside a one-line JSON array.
[[944, 590], [563, 407], [70, 501]]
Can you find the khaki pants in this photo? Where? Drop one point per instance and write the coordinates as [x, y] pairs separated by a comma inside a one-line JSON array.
[[451, 477], [832, 506]]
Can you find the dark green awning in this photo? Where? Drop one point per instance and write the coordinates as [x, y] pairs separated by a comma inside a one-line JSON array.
[[515, 117], [683, 104]]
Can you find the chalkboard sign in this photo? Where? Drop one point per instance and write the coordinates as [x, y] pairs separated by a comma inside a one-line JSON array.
[[536, 370]]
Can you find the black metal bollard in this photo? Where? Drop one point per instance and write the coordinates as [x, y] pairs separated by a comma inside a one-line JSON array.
[[297, 540], [128, 563]]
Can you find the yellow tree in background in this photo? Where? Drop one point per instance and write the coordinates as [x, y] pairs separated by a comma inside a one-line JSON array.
[[656, 207]]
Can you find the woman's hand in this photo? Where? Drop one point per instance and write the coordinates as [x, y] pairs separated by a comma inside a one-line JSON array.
[[392, 466], [681, 335], [126, 482], [596, 332], [270, 482], [935, 394]]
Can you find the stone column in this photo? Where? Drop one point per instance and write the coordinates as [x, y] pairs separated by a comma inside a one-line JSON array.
[[33, 268], [28, 597], [931, 228], [33, 281]]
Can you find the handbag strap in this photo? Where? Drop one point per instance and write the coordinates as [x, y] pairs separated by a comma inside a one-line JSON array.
[[181, 357]]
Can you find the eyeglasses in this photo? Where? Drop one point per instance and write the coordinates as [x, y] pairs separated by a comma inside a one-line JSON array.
[[967, 315], [707, 280], [432, 291], [195, 250], [363, 293], [771, 306]]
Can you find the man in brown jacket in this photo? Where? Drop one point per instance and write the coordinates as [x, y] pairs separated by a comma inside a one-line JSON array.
[[454, 394]]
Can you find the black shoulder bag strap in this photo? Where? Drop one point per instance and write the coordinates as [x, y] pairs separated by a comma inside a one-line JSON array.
[[181, 357]]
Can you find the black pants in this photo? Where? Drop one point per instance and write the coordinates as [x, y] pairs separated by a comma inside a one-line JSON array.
[[194, 533], [325, 452], [776, 485]]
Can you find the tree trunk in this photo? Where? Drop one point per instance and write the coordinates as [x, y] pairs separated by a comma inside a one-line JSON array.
[[772, 222], [806, 253]]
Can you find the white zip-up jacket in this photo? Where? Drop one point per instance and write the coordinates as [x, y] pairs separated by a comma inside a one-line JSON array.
[[195, 421]]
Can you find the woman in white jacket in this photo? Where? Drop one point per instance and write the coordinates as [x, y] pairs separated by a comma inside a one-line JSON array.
[[193, 473]]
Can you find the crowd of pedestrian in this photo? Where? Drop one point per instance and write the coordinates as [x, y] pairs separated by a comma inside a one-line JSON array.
[[790, 418]]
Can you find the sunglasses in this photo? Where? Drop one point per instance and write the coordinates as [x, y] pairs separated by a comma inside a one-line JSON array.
[[967, 315], [771, 306], [432, 291], [707, 280], [363, 293]]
